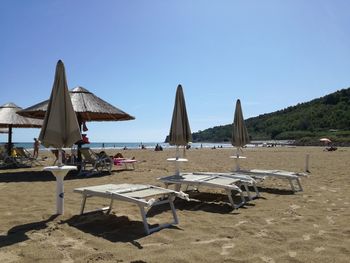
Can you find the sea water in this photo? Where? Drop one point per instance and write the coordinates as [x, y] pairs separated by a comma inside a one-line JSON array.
[[128, 145]]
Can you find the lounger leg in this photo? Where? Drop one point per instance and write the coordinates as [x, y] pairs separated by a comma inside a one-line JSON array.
[[171, 202], [248, 192], [229, 194], [256, 190], [144, 219], [83, 204], [299, 184], [292, 185], [110, 206]]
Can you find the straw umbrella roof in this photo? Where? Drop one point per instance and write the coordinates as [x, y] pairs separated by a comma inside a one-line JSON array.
[[87, 106], [9, 117]]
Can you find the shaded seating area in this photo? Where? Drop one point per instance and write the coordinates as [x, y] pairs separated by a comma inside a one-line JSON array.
[[229, 184], [144, 196], [97, 162], [23, 156], [7, 161]]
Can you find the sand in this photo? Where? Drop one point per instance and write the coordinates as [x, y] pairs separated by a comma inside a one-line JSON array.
[[309, 226]]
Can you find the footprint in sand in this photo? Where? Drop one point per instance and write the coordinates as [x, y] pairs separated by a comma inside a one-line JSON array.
[[316, 226], [200, 242], [292, 254], [306, 237], [267, 259], [330, 220], [323, 188], [319, 249], [262, 233], [294, 207], [8, 257], [269, 221], [155, 245], [226, 248], [240, 223], [346, 203], [321, 232]]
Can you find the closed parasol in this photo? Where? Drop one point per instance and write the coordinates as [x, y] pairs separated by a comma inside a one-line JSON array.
[[60, 129], [240, 135], [180, 131]]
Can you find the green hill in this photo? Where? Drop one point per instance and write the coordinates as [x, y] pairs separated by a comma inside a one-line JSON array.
[[306, 123]]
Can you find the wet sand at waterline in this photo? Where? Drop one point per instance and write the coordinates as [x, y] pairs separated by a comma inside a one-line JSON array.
[[308, 226]]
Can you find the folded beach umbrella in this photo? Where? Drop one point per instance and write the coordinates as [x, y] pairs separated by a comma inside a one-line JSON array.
[[240, 135], [60, 129], [180, 131], [10, 119]]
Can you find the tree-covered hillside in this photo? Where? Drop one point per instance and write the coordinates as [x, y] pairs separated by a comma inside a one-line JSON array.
[[305, 122]]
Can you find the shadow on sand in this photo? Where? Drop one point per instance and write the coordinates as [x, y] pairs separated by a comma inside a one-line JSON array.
[[17, 234], [112, 227], [42, 176]]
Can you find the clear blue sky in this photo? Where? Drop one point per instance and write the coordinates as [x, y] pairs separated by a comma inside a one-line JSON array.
[[133, 54]]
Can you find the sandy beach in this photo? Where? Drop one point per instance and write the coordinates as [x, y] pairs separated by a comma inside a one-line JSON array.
[[308, 226]]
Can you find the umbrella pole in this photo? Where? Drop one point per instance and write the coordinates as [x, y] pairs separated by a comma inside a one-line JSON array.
[[9, 145], [177, 172], [79, 159], [237, 160]]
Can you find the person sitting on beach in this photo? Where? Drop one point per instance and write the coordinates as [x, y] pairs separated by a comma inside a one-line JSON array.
[[118, 155], [158, 148]]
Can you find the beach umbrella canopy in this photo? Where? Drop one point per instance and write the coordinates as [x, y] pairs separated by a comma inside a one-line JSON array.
[[180, 131], [240, 135], [86, 105], [60, 128], [10, 119]]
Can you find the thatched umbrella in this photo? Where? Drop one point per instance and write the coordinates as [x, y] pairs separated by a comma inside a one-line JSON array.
[[180, 131], [240, 135], [87, 107], [10, 119]]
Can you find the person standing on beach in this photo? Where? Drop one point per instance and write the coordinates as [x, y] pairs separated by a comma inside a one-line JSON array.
[[36, 148]]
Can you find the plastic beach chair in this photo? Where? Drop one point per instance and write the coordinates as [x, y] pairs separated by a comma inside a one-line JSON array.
[[229, 184], [98, 162], [292, 177], [145, 196]]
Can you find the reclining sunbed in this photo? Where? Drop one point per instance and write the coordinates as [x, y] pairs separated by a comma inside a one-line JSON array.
[[292, 177], [227, 183], [145, 196]]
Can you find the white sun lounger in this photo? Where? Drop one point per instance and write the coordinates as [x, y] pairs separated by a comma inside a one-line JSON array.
[[292, 177], [229, 184], [145, 196], [244, 180]]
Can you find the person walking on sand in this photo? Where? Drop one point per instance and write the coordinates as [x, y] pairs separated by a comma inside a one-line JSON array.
[[36, 148]]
